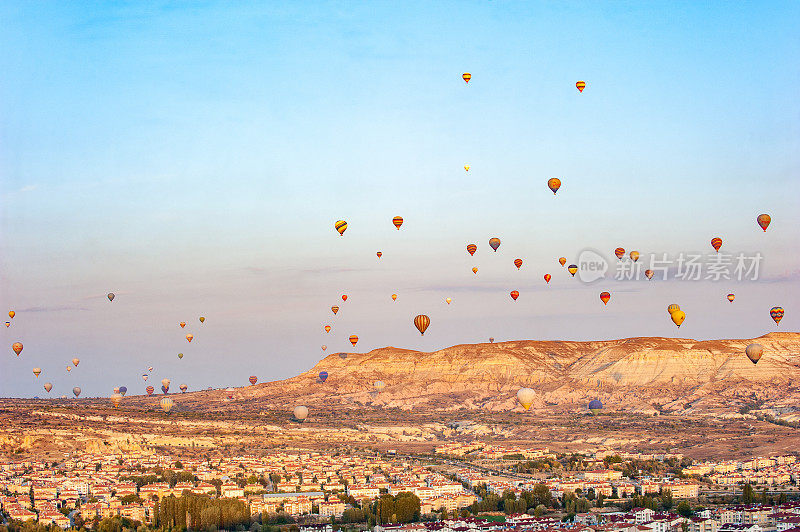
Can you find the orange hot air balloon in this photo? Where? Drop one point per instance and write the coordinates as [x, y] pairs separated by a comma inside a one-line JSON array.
[[619, 252], [202, 319], [475, 271], [580, 85], [335, 309], [353, 339], [514, 295], [69, 368], [11, 314], [16, 347], [494, 243], [605, 297], [776, 313], [649, 274], [716, 243], [344, 297], [554, 184], [547, 277], [763, 221], [518, 263], [189, 337], [48, 387], [253, 379], [324, 347], [379, 254], [327, 328], [466, 76], [448, 300], [397, 221], [562, 260], [8, 324], [677, 317], [76, 361], [182, 324], [394, 297], [572, 269], [731, 297], [149, 390], [340, 226], [471, 248], [673, 307], [37, 371], [421, 322], [634, 255]]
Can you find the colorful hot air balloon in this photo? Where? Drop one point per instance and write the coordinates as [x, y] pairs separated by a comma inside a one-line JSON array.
[[634, 255], [183, 388], [776, 313], [379, 254], [421, 322], [562, 261], [123, 390], [379, 386], [547, 277], [525, 396], [327, 328], [76, 391], [494, 243], [37, 371], [466, 168], [343, 356], [677, 317], [649, 274], [164, 389], [353, 339], [344, 297], [76, 361], [116, 399], [340, 226], [69, 368], [672, 308], [475, 270], [324, 347], [466, 76], [580, 85], [144, 376], [763, 221], [754, 352], [17, 347], [111, 296], [595, 406], [716, 243], [116, 389], [514, 295], [731, 297], [572, 269], [491, 340], [471, 248], [166, 404], [229, 393], [605, 297], [394, 297], [323, 376], [8, 324], [180, 355], [165, 382], [397, 221], [335, 309], [619, 252], [447, 300], [182, 324], [11, 314], [554, 184], [189, 337], [518, 263], [150, 390], [150, 369], [48, 386], [253, 379], [300, 413], [202, 319]]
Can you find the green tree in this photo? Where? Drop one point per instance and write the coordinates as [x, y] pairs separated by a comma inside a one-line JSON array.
[[684, 509], [747, 494]]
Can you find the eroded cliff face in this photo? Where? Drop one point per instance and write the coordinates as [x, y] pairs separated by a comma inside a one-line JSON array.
[[648, 375]]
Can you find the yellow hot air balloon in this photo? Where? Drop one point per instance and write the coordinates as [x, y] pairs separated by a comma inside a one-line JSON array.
[[76, 361], [580, 85], [353, 339], [605, 297], [327, 328], [525, 396], [379, 254], [116, 399], [466, 76], [394, 297], [572, 269], [11, 314], [397, 221], [166, 404], [731, 297], [673, 307], [189, 337], [554, 184], [340, 226], [421, 322], [69, 368], [448, 300], [466, 167], [494, 243], [649, 274], [475, 270], [202, 319], [634, 255], [677, 317]]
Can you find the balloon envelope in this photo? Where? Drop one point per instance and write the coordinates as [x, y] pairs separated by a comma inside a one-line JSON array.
[[166, 404], [776, 313], [649, 274], [595, 405], [731, 297], [323, 376], [764, 221], [123, 390], [37, 371], [150, 390], [300, 413], [572, 269], [716, 243], [754, 352], [525, 396], [116, 399], [421, 322], [518, 263], [335, 309], [494, 243], [471, 249], [397, 221], [562, 260], [554, 184], [48, 386], [189, 337], [17, 347], [353, 339], [514, 295], [76, 391], [253, 379], [634, 255], [11, 314], [111, 296], [380, 386], [605, 297], [466, 76], [619, 252], [677, 317], [547, 277], [580, 85], [76, 361], [340, 226]]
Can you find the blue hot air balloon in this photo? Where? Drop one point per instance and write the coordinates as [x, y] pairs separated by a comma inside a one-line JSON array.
[[123, 390], [323, 375], [595, 405]]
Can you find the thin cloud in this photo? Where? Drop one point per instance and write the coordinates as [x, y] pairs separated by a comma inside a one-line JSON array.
[[57, 308], [29, 188]]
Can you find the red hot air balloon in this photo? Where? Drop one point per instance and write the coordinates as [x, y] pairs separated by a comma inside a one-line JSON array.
[[471, 248], [253, 379], [776, 313], [514, 295], [547, 277], [716, 243], [731, 297], [605, 297], [466, 76], [379, 254], [763, 221], [397, 221], [580, 85], [327, 328], [17, 347], [518, 263], [619, 252], [344, 297]]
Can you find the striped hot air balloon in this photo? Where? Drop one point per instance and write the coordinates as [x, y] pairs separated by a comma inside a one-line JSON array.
[[253, 379], [150, 390], [554, 184], [716, 243], [335, 309], [572, 269], [471, 248], [731, 297], [518, 263], [353, 339], [776, 313], [379, 254], [514, 295], [397, 221], [619, 252], [421, 322], [340, 226], [605, 297], [323, 376], [466, 76], [562, 260], [475, 270], [580, 85], [327, 328]]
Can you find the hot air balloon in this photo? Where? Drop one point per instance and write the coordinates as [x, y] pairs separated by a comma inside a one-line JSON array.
[[619, 252], [48, 386], [253, 379], [731, 297], [466, 168], [353, 339], [397, 221], [327, 328], [340, 226], [144, 376], [150, 369], [150, 390], [229, 393], [123, 390], [8, 324], [16, 347], [189, 337], [202, 319], [344, 297], [394, 297], [323, 376], [300, 413], [491, 340], [111, 296], [580, 85], [166, 404], [562, 261], [605, 297], [335, 309], [547, 277], [471, 248], [76, 391], [76, 361], [421, 322], [649, 274], [514, 295], [475, 270], [180, 355], [494, 243], [11, 314], [716, 243], [182, 324], [69, 368], [554, 184], [763, 221], [379, 254], [466, 76], [776, 313], [447, 300], [183, 388], [164, 389], [324, 347], [525, 396], [518, 263], [165, 382], [634, 255], [379, 386], [572, 269], [37, 371], [116, 389], [754, 352], [595, 406], [116, 399], [672, 308], [677, 317]]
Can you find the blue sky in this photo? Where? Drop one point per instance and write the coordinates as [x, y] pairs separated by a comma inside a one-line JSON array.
[[193, 157]]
